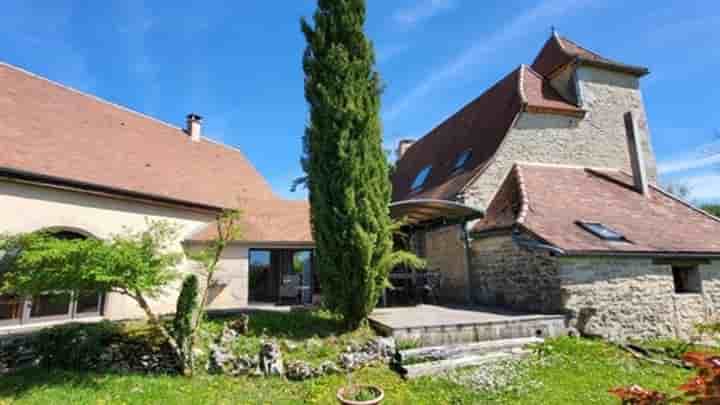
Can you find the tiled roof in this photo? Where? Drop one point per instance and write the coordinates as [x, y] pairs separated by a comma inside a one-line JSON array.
[[49, 130], [480, 126], [558, 51], [549, 200], [275, 221]]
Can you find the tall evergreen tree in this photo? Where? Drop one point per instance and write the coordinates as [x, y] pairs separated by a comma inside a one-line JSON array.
[[345, 165]]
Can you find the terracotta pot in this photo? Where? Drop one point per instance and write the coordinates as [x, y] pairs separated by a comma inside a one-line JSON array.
[[341, 396]]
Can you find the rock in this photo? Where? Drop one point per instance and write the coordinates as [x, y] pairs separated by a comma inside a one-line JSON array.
[[240, 325], [271, 362], [299, 371], [328, 367]]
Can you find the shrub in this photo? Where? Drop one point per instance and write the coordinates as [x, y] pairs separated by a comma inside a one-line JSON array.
[[75, 346], [186, 311]]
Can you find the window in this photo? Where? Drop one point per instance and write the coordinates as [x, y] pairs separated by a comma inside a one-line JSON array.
[[602, 231], [421, 177], [463, 158], [687, 279]]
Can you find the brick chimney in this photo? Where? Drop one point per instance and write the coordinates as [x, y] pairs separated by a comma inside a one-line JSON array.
[[637, 160], [403, 146], [194, 127]]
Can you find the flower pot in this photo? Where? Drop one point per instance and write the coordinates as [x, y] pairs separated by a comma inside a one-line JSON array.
[[344, 395]]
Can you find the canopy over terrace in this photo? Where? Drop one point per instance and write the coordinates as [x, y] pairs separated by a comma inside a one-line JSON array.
[[430, 213]]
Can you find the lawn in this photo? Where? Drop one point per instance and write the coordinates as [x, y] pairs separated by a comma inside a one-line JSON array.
[[564, 371]]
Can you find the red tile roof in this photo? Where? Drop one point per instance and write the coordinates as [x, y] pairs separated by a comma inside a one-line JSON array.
[[548, 201], [559, 51], [47, 129], [480, 127]]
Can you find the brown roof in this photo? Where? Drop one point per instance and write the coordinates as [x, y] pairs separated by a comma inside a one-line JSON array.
[[52, 132], [275, 221], [49, 129], [559, 51], [480, 126], [549, 200]]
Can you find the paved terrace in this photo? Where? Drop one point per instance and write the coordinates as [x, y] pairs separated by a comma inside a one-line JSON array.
[[436, 325]]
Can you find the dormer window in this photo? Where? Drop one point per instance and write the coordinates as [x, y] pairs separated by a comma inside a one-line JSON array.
[[420, 178], [462, 159], [602, 231]]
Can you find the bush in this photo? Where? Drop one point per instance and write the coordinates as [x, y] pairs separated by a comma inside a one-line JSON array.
[[186, 310], [75, 346]]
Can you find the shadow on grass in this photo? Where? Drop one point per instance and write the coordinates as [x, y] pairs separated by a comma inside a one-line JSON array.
[[289, 325], [17, 384]]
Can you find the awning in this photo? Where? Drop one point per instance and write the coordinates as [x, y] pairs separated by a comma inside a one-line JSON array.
[[429, 212]]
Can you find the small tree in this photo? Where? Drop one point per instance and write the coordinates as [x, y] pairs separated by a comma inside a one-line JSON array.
[[185, 314], [138, 265]]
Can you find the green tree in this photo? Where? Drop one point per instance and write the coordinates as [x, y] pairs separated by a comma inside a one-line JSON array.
[[347, 173], [712, 209], [186, 313], [139, 265]]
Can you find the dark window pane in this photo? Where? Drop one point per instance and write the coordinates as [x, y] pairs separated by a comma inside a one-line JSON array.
[[10, 307], [260, 278], [88, 302], [50, 305]]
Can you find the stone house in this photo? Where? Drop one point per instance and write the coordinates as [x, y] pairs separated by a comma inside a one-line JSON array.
[[574, 122], [79, 166]]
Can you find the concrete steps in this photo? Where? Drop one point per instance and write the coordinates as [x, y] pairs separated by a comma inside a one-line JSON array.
[[413, 363]]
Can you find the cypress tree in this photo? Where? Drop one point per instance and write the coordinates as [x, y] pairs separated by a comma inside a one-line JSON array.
[[346, 168]]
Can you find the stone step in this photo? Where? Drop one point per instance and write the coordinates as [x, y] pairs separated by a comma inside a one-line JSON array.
[[454, 351], [439, 366]]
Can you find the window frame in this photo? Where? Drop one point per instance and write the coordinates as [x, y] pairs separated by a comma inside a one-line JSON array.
[[691, 279], [461, 160], [591, 227], [421, 178]]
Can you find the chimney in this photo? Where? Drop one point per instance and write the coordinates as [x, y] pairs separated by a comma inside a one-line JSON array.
[[403, 146], [637, 161], [194, 126]]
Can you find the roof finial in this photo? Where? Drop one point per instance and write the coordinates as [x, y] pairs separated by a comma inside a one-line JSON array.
[[553, 31]]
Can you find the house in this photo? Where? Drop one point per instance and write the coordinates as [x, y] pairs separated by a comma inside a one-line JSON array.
[[558, 155], [79, 166]]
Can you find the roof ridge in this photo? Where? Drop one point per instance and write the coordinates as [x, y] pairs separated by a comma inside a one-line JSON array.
[[524, 197], [680, 200], [88, 95], [521, 84]]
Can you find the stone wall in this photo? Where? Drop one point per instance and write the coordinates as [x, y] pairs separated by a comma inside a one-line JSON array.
[[597, 140], [506, 276], [628, 297], [445, 251]]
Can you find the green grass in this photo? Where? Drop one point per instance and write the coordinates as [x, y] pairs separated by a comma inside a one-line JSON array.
[[568, 371]]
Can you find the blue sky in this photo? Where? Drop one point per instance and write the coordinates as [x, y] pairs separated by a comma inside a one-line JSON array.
[[239, 64]]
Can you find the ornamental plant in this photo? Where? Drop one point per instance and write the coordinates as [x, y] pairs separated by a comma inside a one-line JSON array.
[[347, 173]]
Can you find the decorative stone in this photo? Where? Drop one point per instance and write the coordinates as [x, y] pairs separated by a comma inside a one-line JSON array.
[[240, 325], [271, 362]]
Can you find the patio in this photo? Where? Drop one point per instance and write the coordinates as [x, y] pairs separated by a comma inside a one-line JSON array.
[[437, 325]]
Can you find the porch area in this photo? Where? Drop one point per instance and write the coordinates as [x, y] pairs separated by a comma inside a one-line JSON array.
[[432, 325]]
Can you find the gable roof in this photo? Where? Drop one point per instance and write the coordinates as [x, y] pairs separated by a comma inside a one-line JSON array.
[[549, 200], [480, 127], [51, 130], [56, 135], [558, 51]]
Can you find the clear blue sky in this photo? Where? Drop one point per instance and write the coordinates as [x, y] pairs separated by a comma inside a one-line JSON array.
[[239, 64]]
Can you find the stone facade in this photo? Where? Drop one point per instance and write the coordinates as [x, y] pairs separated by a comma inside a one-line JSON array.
[[445, 251], [632, 297], [612, 297], [503, 275], [597, 140]]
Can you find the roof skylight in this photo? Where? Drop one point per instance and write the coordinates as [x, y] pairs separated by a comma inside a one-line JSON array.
[[602, 231], [463, 158], [420, 178]]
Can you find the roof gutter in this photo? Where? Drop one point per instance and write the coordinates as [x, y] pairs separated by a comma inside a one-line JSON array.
[[23, 176]]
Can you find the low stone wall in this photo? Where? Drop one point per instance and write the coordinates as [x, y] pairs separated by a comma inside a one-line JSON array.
[[504, 275], [619, 298]]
